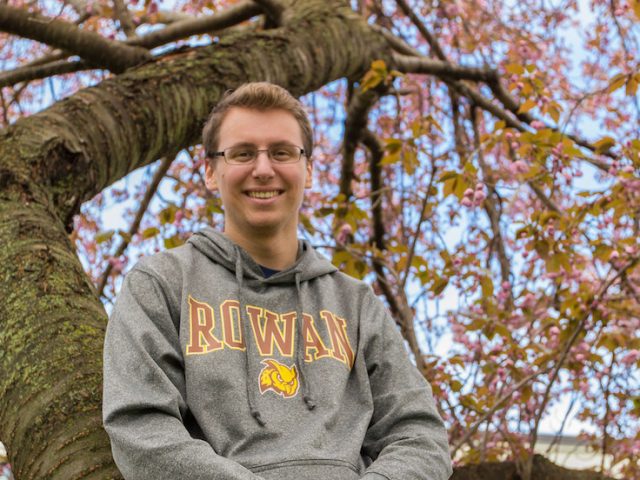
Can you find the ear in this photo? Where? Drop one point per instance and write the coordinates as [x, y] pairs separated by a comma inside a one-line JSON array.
[[210, 174], [309, 180]]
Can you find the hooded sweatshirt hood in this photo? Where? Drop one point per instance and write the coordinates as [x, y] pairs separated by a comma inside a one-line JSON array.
[[221, 250]]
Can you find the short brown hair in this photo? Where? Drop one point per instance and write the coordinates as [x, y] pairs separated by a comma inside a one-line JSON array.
[[257, 96]]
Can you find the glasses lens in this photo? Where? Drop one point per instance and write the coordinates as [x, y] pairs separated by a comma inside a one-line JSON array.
[[240, 155], [284, 153]]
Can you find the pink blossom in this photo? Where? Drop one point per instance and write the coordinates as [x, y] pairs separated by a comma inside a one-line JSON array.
[[466, 202], [537, 124], [517, 167], [344, 233], [631, 357], [478, 197]]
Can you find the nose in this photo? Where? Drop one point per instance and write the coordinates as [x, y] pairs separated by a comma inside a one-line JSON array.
[[262, 167]]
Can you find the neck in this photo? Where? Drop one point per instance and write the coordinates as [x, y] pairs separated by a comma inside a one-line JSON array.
[[271, 251]]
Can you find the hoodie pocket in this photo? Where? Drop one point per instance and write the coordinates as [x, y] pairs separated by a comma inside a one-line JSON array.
[[308, 470]]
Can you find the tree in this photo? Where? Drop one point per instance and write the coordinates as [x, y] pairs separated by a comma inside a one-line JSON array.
[[457, 115]]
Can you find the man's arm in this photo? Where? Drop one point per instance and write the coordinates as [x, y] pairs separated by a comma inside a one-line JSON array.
[[144, 406], [406, 436]]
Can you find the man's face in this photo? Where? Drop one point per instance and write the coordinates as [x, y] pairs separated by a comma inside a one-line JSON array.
[[261, 198]]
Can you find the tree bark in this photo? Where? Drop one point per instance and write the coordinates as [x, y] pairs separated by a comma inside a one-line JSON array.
[[51, 321]]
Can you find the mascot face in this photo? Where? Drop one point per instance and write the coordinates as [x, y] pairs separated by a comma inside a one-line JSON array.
[[279, 378]]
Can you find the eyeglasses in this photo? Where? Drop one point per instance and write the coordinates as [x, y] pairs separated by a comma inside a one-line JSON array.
[[247, 154]]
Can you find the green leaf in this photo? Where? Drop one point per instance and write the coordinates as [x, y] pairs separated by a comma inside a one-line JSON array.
[[150, 232], [526, 106], [487, 287], [617, 82], [168, 215], [173, 242], [126, 236], [439, 285], [514, 68], [604, 144], [104, 236]]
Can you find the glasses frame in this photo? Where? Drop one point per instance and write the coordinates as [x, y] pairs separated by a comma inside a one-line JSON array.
[[222, 153]]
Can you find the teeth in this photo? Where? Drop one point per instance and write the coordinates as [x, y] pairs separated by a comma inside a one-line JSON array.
[[264, 194]]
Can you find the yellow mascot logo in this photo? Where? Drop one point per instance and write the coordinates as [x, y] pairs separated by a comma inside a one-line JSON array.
[[279, 378]]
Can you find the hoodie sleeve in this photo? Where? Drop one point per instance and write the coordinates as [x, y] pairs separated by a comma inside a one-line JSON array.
[[144, 406], [406, 436]]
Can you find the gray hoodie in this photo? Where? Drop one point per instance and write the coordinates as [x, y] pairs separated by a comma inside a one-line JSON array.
[[212, 371]]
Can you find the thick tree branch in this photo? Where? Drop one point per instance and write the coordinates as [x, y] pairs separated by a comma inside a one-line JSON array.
[[376, 152], [183, 29], [36, 72], [444, 69], [159, 174], [398, 303], [157, 109], [66, 36], [355, 124], [53, 65], [274, 11]]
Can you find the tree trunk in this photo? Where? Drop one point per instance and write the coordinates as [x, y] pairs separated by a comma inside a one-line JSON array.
[[51, 321]]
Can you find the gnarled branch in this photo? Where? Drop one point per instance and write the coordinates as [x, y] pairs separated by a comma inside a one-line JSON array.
[[64, 35], [183, 29]]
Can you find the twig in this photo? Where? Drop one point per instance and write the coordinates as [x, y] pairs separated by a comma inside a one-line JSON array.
[[135, 225], [431, 40], [123, 16], [440, 68], [492, 211], [472, 430], [396, 43], [559, 363], [414, 243]]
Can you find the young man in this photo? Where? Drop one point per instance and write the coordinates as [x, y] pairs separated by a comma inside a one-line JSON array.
[[245, 354]]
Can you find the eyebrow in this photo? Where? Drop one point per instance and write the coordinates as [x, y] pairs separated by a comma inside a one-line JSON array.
[[275, 144]]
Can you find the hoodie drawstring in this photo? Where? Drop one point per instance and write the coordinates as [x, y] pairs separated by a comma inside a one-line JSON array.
[[251, 400], [306, 387], [250, 367]]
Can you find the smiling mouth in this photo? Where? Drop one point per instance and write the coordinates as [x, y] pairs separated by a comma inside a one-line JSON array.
[[264, 195]]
